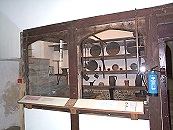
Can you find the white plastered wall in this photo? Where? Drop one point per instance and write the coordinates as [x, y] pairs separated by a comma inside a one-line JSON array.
[[9, 72], [9, 38], [9, 94]]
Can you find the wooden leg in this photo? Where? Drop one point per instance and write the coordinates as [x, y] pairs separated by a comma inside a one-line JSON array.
[[75, 121]]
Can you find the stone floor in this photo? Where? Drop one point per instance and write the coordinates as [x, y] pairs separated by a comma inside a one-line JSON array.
[[170, 88]]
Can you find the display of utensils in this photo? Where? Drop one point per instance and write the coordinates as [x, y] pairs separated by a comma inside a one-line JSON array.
[[86, 77], [134, 66], [131, 47], [102, 50], [92, 83], [112, 82], [96, 75], [115, 67], [126, 82], [101, 84], [95, 50], [112, 48], [92, 65], [138, 80]]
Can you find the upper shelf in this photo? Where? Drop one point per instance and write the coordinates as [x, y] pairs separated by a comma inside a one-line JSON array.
[[107, 57], [57, 47]]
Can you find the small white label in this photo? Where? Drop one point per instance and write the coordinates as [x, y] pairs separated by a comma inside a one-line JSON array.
[[107, 105], [130, 106]]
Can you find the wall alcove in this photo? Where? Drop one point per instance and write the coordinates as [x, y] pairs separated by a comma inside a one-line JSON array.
[[100, 52], [46, 64]]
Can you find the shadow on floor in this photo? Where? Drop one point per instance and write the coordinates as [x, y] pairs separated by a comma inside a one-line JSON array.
[[14, 128]]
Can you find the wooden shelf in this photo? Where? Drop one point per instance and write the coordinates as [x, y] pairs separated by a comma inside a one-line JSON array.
[[97, 87], [57, 47], [55, 74], [107, 57]]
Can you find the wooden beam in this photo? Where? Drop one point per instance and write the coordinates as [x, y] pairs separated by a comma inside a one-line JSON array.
[[73, 63], [74, 121], [152, 60]]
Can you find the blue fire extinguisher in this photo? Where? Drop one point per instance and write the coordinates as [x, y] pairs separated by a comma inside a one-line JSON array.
[[153, 82]]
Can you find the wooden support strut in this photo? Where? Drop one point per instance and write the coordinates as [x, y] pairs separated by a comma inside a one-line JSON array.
[[134, 116], [70, 103], [29, 106], [136, 33]]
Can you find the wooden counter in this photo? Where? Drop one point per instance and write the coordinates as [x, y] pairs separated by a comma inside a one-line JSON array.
[[129, 107]]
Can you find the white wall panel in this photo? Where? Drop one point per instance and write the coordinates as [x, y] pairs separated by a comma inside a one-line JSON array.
[[96, 122], [9, 38], [38, 119]]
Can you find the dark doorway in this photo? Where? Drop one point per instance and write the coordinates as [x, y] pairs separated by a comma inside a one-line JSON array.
[[168, 62], [169, 79]]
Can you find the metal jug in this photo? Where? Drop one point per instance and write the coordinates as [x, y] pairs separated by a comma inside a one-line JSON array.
[[112, 80]]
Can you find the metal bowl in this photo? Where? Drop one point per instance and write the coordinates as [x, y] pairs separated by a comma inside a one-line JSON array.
[[92, 65], [134, 66], [95, 50], [112, 48], [115, 67]]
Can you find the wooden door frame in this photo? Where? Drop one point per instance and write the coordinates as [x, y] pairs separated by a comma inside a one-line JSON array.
[[165, 33]]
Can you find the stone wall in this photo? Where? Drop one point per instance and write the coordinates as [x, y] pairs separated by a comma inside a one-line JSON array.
[[41, 83], [9, 94]]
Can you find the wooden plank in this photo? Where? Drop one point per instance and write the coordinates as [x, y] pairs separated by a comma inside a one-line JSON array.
[[152, 60], [129, 107], [48, 29], [115, 87], [70, 103], [44, 101]]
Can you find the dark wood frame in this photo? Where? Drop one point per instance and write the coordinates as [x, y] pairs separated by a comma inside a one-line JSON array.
[[158, 29]]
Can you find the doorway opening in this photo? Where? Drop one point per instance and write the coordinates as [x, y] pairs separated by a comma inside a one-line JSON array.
[[169, 65]]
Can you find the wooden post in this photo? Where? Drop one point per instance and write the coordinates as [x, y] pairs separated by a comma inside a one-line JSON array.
[[21, 94], [74, 121]]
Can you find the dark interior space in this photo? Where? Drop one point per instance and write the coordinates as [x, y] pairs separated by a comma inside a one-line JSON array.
[[169, 62], [169, 81]]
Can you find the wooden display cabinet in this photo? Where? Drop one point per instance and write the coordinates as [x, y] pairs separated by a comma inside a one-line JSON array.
[[155, 26], [99, 56]]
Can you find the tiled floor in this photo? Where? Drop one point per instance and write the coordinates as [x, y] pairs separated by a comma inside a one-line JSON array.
[[170, 88]]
